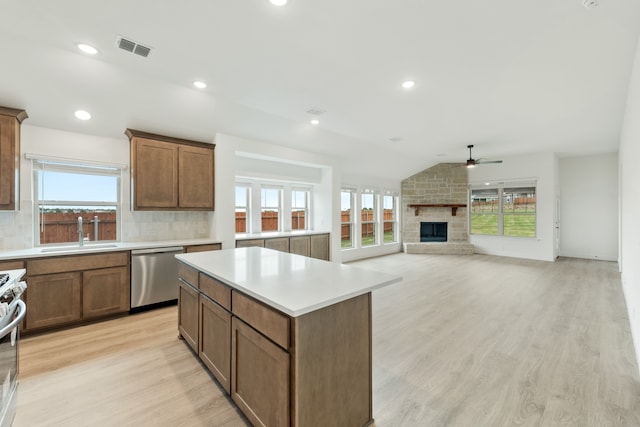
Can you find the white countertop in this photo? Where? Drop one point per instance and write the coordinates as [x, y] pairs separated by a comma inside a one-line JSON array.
[[274, 234], [93, 247], [293, 284]]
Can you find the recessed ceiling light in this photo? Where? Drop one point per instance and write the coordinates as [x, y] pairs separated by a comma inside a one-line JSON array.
[[82, 115], [200, 85], [278, 2], [315, 122], [408, 84], [89, 50]]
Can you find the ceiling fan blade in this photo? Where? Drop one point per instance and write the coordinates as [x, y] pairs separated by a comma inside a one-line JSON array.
[[484, 162]]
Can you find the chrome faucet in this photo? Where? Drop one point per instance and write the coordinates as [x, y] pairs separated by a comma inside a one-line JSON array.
[[80, 232]]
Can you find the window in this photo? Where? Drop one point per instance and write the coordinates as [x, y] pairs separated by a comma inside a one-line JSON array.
[[389, 203], [368, 219], [299, 208], [64, 192], [243, 193], [504, 211], [346, 219], [485, 206], [519, 212], [271, 202]]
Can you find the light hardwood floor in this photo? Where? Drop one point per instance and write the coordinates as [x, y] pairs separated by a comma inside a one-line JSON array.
[[462, 341]]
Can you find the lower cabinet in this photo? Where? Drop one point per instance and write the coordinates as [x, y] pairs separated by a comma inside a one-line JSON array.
[[279, 244], [215, 340], [188, 304], [299, 245], [313, 245], [70, 289], [260, 376], [105, 291], [319, 246], [54, 299]]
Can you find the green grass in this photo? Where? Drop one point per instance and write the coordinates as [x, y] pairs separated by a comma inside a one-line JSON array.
[[521, 225], [367, 240]]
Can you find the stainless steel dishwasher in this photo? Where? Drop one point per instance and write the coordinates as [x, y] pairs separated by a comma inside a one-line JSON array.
[[154, 276]]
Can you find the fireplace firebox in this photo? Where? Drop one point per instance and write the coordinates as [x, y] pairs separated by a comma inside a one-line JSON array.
[[433, 231]]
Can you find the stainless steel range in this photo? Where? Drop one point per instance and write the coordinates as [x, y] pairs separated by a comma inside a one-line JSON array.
[[12, 312]]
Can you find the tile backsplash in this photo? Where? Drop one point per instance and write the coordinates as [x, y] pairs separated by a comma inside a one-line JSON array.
[[16, 228]]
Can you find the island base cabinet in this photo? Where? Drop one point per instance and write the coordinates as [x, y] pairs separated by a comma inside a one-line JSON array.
[[188, 304], [215, 340], [332, 365], [259, 377]]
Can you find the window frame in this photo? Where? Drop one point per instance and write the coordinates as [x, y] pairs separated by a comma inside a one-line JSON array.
[[247, 207], [393, 221], [80, 168], [500, 212], [373, 221], [350, 222], [306, 209], [279, 208]]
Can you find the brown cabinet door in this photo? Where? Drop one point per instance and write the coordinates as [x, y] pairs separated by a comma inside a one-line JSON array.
[[105, 291], [195, 177], [259, 376], [9, 163], [249, 243], [279, 244], [53, 299], [320, 246], [215, 340], [188, 304], [299, 245], [154, 174]]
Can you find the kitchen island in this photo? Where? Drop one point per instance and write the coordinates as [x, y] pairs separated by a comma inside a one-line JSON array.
[[287, 336]]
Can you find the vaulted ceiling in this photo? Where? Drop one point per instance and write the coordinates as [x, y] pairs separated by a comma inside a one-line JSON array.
[[510, 77]]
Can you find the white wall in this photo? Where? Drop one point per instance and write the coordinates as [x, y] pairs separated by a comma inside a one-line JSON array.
[[630, 202], [16, 228], [231, 159], [589, 207], [542, 168]]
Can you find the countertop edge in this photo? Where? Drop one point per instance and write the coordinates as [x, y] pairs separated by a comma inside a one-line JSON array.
[[274, 304], [122, 246]]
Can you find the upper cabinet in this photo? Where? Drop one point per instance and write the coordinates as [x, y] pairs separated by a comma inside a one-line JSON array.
[[10, 120], [170, 173]]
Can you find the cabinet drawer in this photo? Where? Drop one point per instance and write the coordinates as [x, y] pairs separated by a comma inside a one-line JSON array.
[[188, 274], [203, 248], [270, 322], [216, 290], [61, 264], [11, 265]]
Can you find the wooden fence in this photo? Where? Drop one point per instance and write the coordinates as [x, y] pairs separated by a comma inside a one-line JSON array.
[[270, 222], [62, 227]]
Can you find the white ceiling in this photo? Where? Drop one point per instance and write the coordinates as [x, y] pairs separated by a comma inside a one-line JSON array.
[[511, 77]]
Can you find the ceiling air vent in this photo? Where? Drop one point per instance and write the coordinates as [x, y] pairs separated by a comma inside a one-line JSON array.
[[132, 46], [315, 111]]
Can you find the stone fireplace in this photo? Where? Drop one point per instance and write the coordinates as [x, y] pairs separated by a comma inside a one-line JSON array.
[[436, 195]]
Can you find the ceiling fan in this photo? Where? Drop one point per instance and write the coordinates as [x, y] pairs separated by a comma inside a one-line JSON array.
[[471, 163]]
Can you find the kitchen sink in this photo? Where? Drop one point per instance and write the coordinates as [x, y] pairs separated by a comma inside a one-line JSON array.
[[78, 248]]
